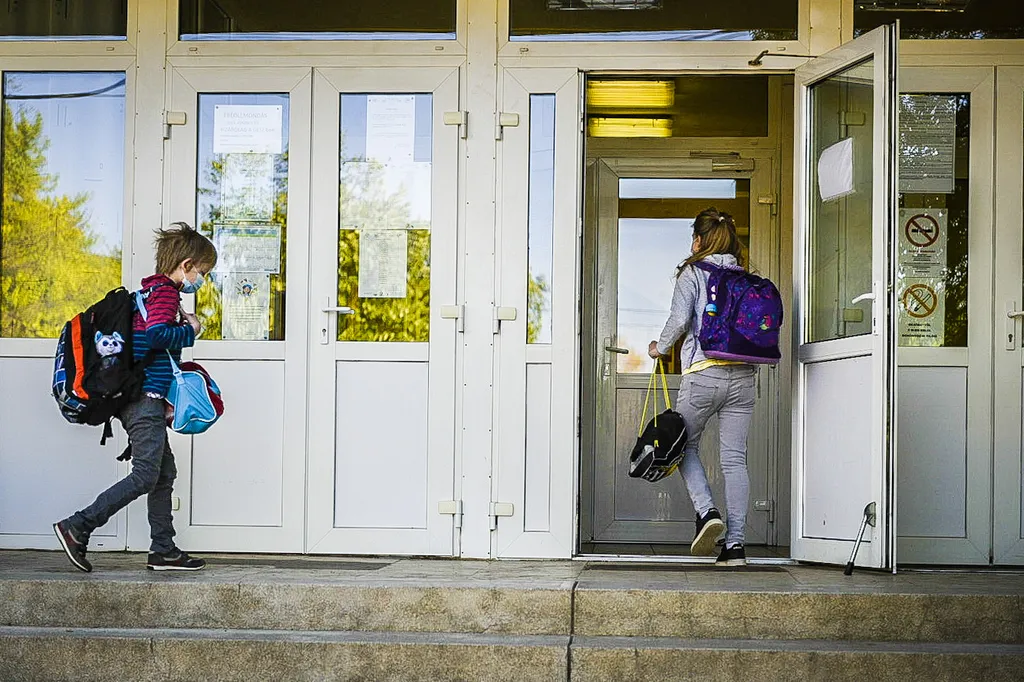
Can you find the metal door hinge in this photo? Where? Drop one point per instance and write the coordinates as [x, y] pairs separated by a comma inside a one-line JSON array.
[[770, 201], [458, 118], [853, 118], [173, 118], [457, 313], [453, 507], [503, 314], [505, 121], [500, 509]]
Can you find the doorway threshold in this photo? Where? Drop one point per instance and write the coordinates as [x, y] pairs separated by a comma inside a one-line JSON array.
[[671, 559]]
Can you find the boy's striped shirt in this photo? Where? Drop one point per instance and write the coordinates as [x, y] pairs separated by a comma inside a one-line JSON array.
[[161, 330]]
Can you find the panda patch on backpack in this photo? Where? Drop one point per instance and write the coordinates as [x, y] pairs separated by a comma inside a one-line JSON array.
[[108, 347]]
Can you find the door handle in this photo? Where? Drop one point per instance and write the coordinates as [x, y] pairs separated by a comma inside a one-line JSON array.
[[616, 349], [1015, 314], [870, 296], [325, 319]]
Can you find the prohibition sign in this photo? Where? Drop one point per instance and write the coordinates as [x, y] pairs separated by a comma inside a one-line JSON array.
[[920, 300], [922, 230]]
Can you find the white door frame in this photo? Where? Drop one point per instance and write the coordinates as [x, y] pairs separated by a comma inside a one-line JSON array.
[[536, 396], [976, 359], [831, 544], [1008, 526], [284, 394], [435, 533]]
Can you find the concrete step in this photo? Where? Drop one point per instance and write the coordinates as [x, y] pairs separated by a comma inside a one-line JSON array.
[[102, 654], [635, 659], [169, 655]]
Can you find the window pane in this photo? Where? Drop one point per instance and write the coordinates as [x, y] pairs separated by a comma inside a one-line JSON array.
[[64, 19], [242, 205], [974, 19], [934, 215], [541, 217], [682, 106], [306, 20], [652, 20], [655, 231], [384, 229], [840, 174], [63, 197]]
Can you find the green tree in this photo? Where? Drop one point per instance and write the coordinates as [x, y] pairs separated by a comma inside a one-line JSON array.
[[50, 265], [536, 301]]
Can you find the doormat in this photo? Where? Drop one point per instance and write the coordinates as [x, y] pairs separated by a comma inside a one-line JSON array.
[[299, 564], [683, 568]]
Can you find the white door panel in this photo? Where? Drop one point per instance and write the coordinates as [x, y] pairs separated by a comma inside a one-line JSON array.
[[844, 365]]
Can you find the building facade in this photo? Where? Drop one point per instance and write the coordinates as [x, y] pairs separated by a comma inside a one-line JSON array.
[[448, 229]]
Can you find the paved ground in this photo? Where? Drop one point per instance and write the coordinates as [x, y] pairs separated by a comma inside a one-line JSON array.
[[547, 574]]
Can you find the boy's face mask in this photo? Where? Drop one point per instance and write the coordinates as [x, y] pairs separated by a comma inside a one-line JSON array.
[[192, 287]]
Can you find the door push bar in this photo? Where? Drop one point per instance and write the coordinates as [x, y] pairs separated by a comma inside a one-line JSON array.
[[868, 520]]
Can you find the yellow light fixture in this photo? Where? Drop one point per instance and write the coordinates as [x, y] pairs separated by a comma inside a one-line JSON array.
[[630, 94], [629, 127]]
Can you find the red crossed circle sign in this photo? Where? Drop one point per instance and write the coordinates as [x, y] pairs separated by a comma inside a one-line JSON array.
[[922, 230], [920, 300]]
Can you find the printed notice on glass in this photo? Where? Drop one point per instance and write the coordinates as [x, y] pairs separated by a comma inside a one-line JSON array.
[[248, 248], [383, 263], [835, 170], [247, 187], [245, 306], [247, 128], [927, 143], [922, 312], [390, 128], [923, 234]]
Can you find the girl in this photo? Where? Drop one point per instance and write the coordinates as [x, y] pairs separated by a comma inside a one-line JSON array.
[[710, 387]]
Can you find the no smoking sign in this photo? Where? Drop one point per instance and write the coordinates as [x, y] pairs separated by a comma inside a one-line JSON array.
[[921, 230]]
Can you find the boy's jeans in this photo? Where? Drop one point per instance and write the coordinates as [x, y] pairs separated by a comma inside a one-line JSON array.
[[153, 472], [727, 391]]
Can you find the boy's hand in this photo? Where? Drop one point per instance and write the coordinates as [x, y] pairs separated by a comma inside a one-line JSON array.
[[194, 321], [652, 350]]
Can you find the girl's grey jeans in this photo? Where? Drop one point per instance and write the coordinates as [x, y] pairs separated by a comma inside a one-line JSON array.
[[728, 391]]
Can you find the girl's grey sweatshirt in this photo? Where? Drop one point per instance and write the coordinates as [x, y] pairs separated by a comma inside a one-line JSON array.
[[688, 302]]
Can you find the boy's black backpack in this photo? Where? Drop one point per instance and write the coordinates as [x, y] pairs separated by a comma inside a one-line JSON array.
[[659, 447], [94, 371]]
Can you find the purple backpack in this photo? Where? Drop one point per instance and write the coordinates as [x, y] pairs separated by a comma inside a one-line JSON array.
[[742, 318]]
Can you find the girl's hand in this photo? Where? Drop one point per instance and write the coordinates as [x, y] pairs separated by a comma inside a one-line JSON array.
[[194, 321], [652, 350]]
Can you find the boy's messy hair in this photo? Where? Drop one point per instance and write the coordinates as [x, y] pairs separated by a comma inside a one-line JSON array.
[[180, 242]]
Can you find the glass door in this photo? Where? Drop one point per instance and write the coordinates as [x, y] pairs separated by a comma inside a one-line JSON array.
[[1008, 502], [237, 169], [844, 378], [382, 345]]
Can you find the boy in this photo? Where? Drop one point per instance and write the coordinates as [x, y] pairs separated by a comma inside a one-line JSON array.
[[183, 259]]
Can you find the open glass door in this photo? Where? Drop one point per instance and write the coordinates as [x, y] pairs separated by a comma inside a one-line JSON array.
[[844, 366]]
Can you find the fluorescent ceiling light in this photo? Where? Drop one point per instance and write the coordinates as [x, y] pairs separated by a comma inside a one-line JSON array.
[[630, 127], [631, 94]]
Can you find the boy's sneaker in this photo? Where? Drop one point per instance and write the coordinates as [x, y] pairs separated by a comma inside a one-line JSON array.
[[174, 561], [709, 528], [74, 544], [732, 556]]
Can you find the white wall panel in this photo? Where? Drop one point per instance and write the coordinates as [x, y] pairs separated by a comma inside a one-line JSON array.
[[49, 468], [538, 448], [932, 450], [237, 465], [381, 445], [838, 483]]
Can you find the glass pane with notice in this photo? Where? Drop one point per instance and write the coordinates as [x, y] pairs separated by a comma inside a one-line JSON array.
[[63, 197], [242, 205], [385, 217]]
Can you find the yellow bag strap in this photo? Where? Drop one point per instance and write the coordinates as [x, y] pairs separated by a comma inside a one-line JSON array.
[[659, 369]]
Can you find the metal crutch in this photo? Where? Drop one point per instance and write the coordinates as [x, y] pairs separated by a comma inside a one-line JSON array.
[[868, 520]]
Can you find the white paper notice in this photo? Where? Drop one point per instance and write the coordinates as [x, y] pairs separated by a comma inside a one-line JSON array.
[[835, 170], [927, 143], [245, 298], [923, 234], [390, 128], [383, 263], [247, 187], [922, 315], [248, 248], [247, 129]]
